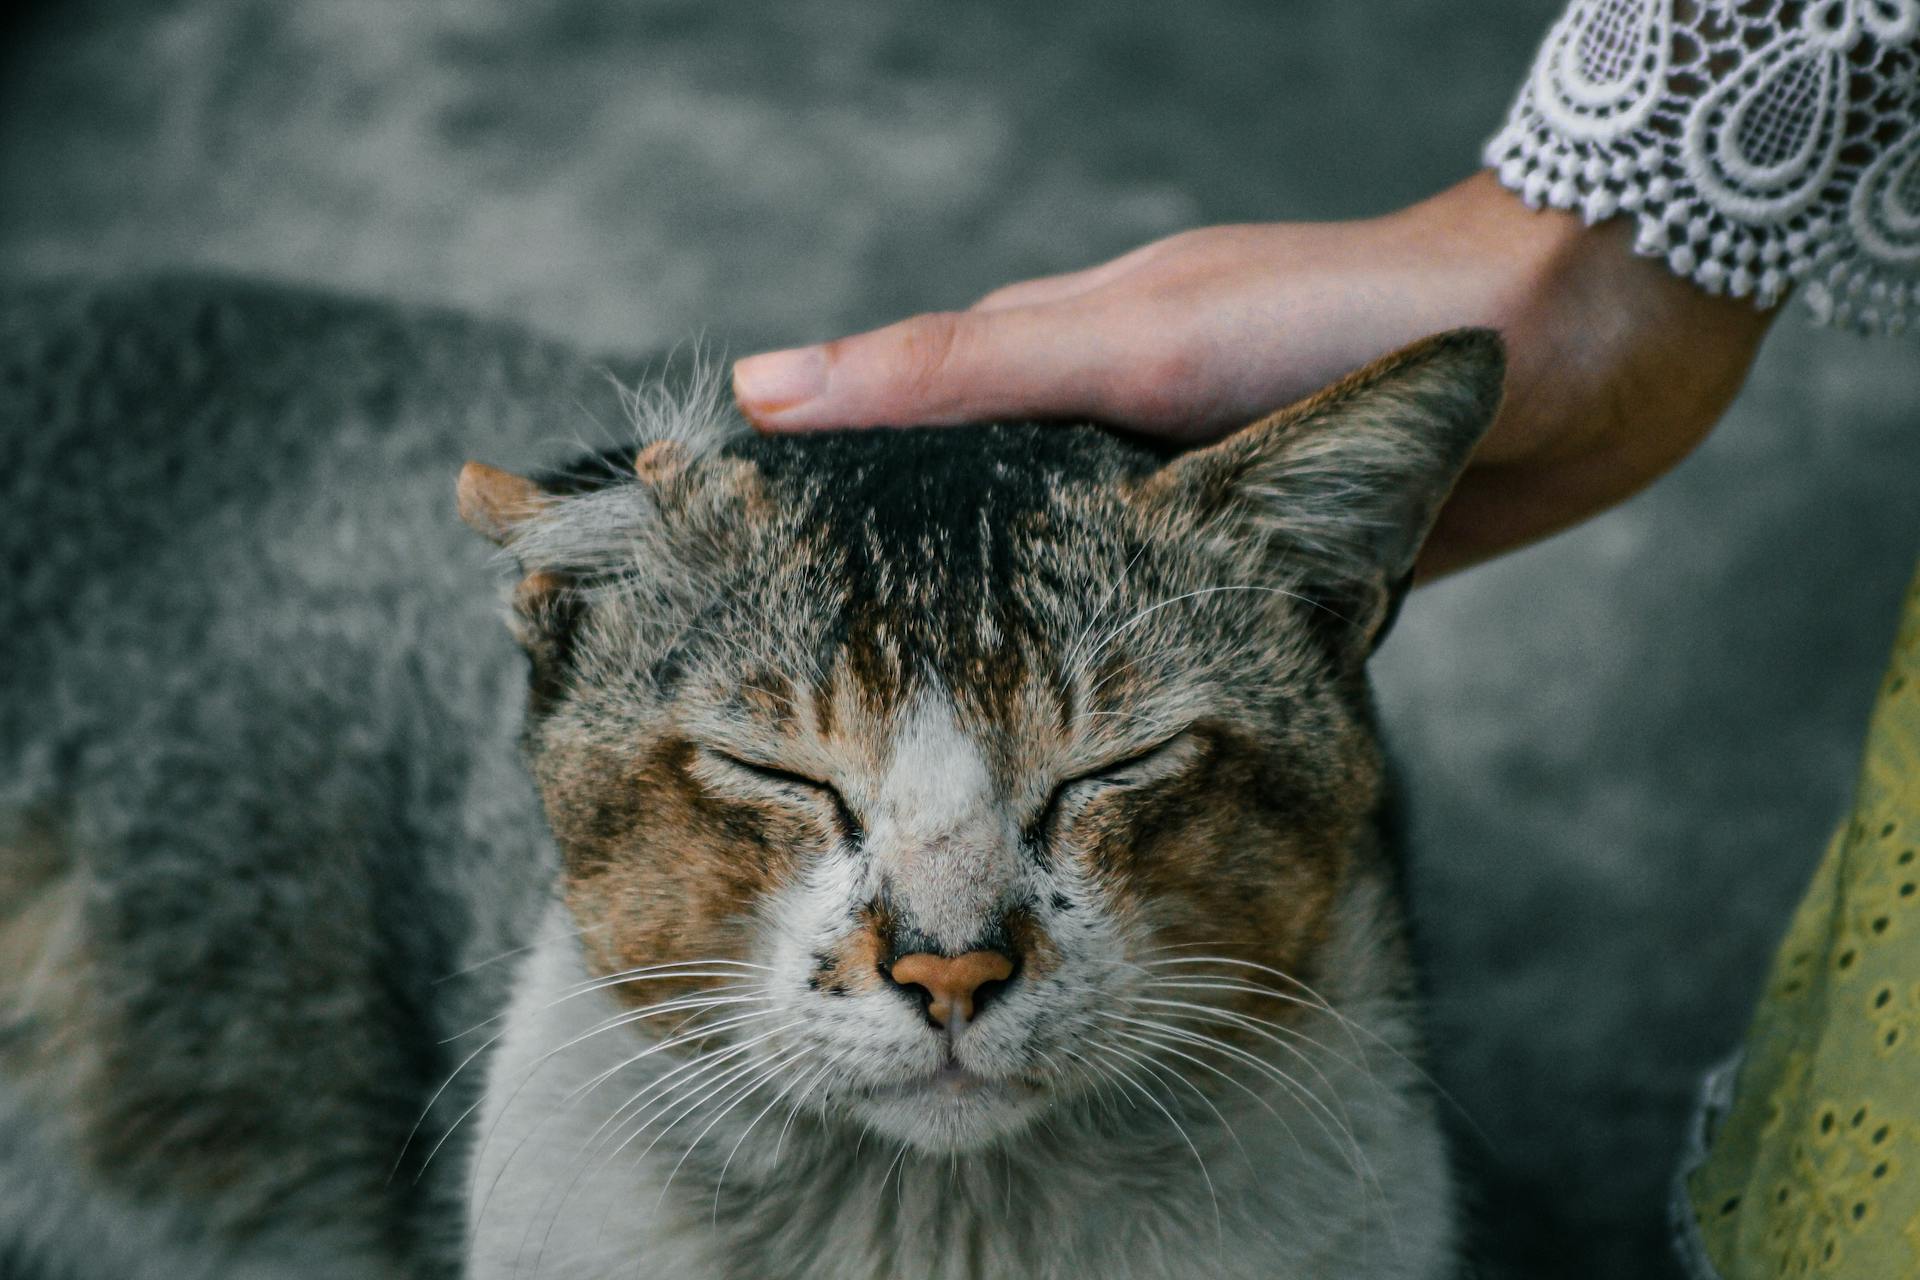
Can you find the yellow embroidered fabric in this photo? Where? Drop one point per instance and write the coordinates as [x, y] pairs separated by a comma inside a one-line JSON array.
[[1814, 1171]]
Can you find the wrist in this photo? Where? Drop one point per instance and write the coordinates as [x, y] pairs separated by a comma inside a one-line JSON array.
[[1616, 367], [1609, 351]]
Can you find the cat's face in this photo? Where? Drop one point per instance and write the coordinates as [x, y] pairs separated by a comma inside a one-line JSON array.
[[919, 772]]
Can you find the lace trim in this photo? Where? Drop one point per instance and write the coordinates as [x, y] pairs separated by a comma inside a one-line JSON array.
[[1759, 144]]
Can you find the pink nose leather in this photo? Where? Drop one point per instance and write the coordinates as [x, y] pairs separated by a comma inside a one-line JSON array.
[[951, 980]]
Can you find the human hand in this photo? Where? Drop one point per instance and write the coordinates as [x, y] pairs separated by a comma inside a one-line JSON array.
[[1616, 368]]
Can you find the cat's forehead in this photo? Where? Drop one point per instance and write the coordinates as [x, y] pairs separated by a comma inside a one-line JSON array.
[[904, 475], [820, 587], [934, 559], [895, 509]]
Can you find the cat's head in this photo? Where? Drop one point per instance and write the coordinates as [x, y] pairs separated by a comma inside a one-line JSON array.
[[912, 764]]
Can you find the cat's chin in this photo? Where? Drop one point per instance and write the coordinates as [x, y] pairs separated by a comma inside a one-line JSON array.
[[951, 1111]]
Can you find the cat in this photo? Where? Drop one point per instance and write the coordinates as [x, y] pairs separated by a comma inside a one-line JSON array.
[[1008, 733], [971, 852]]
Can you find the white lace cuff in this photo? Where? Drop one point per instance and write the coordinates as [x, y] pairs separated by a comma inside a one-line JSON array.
[[1759, 144]]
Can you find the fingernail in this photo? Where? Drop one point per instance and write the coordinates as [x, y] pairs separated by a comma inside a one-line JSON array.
[[779, 380]]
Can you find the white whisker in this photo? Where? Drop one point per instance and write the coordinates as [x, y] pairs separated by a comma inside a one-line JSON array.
[[1212, 1195]]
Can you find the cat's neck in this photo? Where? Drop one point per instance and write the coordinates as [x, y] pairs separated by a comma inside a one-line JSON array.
[[1147, 1178]]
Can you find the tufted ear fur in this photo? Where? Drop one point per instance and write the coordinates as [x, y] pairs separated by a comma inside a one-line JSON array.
[[501, 507], [1337, 493], [578, 533], [495, 503]]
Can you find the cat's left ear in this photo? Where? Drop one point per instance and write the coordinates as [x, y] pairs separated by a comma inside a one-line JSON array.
[[495, 503], [1337, 493]]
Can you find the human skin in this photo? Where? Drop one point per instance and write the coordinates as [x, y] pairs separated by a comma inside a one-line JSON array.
[[1616, 367]]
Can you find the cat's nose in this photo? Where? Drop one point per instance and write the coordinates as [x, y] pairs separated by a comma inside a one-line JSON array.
[[957, 987]]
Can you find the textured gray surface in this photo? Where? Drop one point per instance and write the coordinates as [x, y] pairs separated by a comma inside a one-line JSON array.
[[1625, 746]]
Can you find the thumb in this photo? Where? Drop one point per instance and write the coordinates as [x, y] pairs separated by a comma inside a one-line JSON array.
[[936, 369]]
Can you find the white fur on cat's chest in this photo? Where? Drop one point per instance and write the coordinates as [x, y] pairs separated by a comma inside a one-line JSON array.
[[1131, 1211]]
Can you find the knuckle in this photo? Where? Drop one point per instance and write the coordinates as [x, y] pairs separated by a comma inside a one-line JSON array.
[[928, 346], [1191, 238], [1005, 294], [1179, 245]]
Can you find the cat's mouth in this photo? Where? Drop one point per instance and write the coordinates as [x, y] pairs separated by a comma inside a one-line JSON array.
[[952, 1108], [951, 1080], [952, 1083]]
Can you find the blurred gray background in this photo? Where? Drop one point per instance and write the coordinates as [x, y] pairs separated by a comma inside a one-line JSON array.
[[1624, 747]]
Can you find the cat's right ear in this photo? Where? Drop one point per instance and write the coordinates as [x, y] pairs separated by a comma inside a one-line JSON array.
[[498, 505]]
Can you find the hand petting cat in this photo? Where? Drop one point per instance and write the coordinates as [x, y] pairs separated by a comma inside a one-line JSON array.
[[1617, 367]]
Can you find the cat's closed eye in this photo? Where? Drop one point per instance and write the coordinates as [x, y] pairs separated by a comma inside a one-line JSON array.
[[814, 792], [1136, 769]]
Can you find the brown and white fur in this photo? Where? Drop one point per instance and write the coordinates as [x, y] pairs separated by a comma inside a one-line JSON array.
[[803, 708]]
